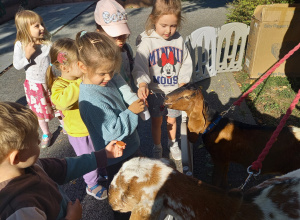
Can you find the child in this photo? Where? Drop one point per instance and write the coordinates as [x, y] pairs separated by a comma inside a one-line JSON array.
[[117, 29], [162, 64], [65, 94], [31, 52], [103, 94], [28, 185]]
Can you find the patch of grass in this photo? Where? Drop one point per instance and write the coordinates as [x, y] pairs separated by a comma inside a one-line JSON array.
[[271, 99]]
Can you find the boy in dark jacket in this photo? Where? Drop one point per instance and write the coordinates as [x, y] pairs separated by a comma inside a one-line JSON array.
[[29, 187]]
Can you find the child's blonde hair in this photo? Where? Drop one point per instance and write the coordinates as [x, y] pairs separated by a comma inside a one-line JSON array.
[[23, 20], [18, 126], [96, 50], [163, 7], [62, 52]]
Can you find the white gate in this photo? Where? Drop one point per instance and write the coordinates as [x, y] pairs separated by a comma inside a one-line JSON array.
[[215, 50], [231, 46]]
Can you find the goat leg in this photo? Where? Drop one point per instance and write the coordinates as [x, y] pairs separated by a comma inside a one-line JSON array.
[[219, 176]]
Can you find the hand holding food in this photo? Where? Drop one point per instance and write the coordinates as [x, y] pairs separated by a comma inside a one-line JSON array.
[[115, 149]]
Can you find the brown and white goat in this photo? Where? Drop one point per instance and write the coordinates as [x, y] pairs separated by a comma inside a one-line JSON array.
[[146, 187], [232, 141]]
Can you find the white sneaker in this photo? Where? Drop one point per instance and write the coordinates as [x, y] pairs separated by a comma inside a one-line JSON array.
[[157, 152], [175, 151]]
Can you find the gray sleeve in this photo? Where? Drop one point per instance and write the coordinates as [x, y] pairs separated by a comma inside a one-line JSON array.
[[140, 72], [128, 95], [28, 213]]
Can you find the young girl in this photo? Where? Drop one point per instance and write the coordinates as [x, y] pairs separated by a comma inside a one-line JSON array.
[[65, 94], [119, 31], [102, 98], [31, 52], [162, 64]]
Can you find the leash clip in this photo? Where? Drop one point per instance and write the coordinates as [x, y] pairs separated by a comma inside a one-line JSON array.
[[226, 111], [251, 173]]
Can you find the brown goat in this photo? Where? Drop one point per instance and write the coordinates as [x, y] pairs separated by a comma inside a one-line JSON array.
[[232, 141], [148, 187]]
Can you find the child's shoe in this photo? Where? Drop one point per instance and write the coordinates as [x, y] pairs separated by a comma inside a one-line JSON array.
[[175, 151], [98, 192], [46, 139], [157, 151]]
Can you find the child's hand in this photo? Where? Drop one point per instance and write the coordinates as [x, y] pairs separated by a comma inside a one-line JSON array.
[[29, 50], [115, 149], [74, 211], [137, 107], [143, 91]]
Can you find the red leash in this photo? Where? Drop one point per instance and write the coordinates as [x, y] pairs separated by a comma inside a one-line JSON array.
[[256, 165]]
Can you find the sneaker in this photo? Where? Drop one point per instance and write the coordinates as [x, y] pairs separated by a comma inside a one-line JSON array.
[[98, 192], [157, 152], [46, 139], [175, 151]]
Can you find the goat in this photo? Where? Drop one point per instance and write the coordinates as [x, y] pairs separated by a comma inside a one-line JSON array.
[[232, 141], [148, 187]]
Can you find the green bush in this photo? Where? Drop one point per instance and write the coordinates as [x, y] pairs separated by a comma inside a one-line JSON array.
[[242, 10]]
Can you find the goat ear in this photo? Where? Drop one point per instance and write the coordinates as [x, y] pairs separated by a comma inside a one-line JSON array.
[[197, 118], [196, 125]]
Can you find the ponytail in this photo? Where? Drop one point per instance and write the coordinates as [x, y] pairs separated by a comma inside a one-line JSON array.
[[50, 77]]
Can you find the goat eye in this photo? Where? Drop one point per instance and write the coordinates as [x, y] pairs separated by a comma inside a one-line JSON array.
[[187, 97]]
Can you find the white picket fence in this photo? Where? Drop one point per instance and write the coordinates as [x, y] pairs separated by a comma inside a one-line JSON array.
[[215, 50]]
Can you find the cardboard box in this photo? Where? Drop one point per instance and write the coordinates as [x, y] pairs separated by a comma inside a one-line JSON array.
[[274, 31]]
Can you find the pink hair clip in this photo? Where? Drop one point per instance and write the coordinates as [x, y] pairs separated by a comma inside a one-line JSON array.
[[61, 57]]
